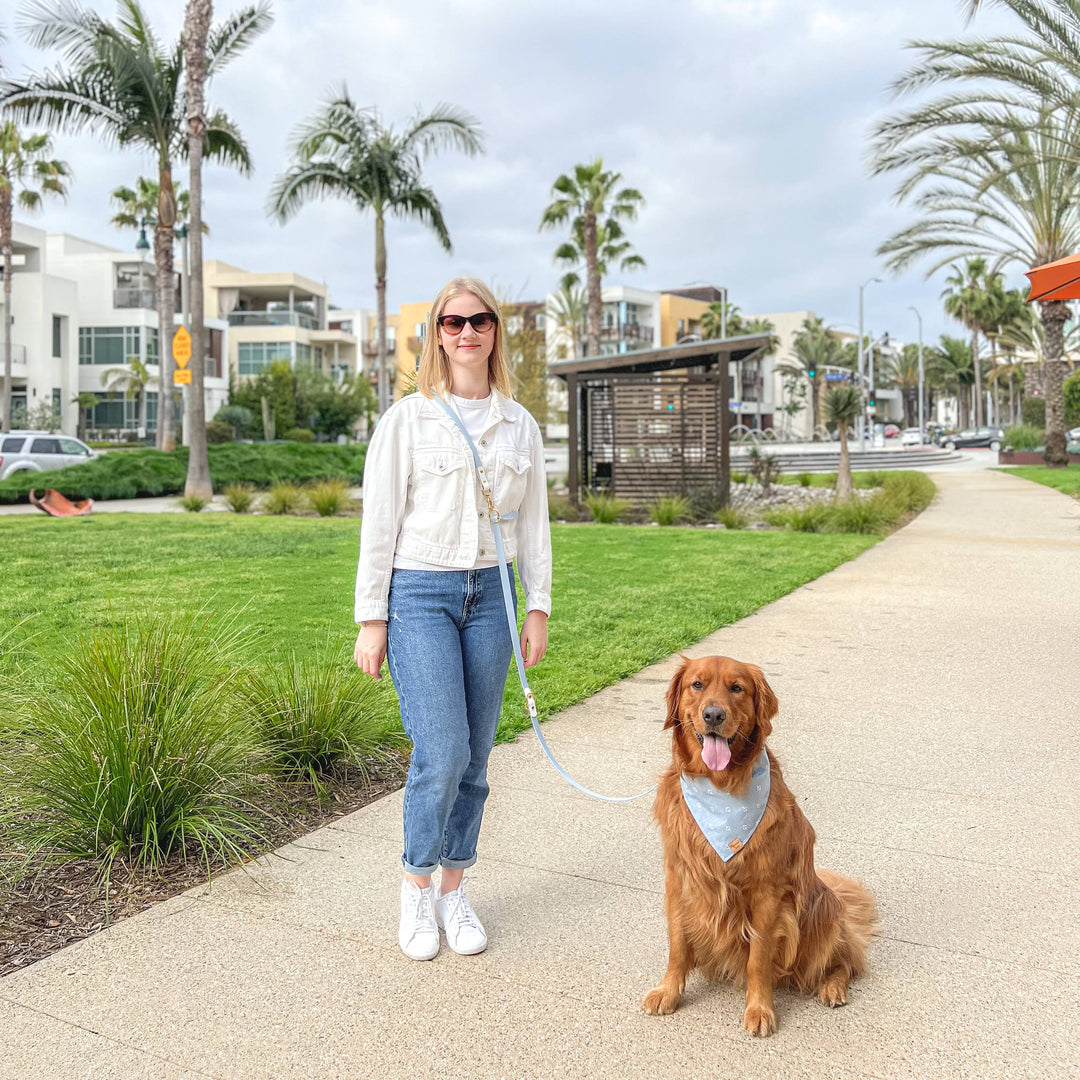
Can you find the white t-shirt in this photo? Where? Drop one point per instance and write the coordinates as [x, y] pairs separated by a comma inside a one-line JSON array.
[[473, 413]]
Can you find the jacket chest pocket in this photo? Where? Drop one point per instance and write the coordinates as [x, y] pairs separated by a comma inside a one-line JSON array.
[[511, 479], [438, 481]]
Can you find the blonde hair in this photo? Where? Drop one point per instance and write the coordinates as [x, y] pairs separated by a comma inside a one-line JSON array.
[[434, 374]]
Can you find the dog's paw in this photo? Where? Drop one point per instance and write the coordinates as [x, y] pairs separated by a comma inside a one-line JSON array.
[[759, 1020], [833, 991], [661, 1000]]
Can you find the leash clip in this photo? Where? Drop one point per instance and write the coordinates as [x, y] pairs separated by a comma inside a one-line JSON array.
[[530, 702]]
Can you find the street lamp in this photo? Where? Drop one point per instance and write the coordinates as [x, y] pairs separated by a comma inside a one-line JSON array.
[[922, 429], [862, 361]]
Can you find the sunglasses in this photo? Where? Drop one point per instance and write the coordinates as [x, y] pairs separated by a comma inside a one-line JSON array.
[[481, 322]]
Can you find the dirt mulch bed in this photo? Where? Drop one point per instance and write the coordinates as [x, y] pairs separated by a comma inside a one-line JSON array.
[[53, 904]]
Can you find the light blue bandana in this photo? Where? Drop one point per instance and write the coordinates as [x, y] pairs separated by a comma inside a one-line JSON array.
[[728, 821]]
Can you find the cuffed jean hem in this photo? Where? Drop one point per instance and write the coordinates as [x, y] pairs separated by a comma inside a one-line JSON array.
[[446, 864]]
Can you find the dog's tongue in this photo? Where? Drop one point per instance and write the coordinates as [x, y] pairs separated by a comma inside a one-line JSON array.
[[716, 753]]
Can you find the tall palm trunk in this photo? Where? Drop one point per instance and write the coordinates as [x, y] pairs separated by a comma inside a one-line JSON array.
[[380, 309], [977, 391], [592, 270], [5, 240], [166, 305], [196, 32], [1054, 315]]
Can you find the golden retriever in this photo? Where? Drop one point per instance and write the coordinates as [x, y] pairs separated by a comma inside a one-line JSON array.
[[765, 917]]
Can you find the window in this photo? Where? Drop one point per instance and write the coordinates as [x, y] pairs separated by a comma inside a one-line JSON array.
[[254, 356], [514, 324], [420, 330], [151, 345], [58, 335], [111, 345], [45, 446], [72, 446], [540, 321], [56, 406], [12, 446]]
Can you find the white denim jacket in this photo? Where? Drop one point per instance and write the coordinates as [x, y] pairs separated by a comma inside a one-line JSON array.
[[422, 498]]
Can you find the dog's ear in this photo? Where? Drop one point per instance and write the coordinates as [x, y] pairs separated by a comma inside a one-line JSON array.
[[765, 702], [674, 693]]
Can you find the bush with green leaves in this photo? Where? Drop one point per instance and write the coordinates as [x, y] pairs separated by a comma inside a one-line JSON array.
[[814, 517], [239, 498], [328, 497], [299, 434], [765, 468], [140, 473], [862, 515], [218, 433], [193, 503], [805, 479], [731, 517], [283, 499], [1033, 412], [135, 751], [669, 510], [312, 716], [909, 491], [604, 507], [560, 508], [1025, 437], [705, 502]]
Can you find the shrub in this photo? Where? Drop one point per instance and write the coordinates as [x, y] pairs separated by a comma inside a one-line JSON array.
[[705, 502], [193, 503], [605, 508], [731, 517], [909, 490], [1070, 393], [217, 432], [1024, 437], [328, 497], [137, 473], [812, 518], [312, 716], [805, 479], [239, 497], [868, 479], [862, 515], [299, 434], [560, 508], [283, 499], [137, 752], [1033, 412], [738, 478], [669, 510], [765, 468]]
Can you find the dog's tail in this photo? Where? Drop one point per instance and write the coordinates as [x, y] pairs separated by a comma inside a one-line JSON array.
[[856, 922]]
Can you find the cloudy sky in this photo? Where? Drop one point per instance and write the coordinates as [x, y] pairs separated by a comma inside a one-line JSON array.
[[743, 122]]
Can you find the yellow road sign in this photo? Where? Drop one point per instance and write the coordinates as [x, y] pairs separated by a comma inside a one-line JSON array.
[[181, 377], [181, 347]]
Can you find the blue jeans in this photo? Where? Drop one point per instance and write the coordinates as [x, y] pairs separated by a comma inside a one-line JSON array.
[[449, 650]]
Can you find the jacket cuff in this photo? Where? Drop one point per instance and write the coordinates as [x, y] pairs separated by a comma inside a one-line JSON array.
[[537, 601], [368, 610]]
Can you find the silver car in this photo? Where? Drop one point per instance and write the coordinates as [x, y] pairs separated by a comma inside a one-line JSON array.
[[38, 451]]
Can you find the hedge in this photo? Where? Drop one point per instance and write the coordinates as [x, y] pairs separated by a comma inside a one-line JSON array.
[[140, 473]]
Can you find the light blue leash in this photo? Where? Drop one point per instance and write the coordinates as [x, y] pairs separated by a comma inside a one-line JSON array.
[[495, 518]]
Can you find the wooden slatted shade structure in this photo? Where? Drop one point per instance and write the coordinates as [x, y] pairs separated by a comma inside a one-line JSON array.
[[652, 423]]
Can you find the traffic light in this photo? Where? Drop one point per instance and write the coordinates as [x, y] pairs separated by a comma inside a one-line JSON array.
[[813, 371], [873, 403]]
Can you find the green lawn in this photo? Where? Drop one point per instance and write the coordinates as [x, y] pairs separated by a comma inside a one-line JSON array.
[[624, 596], [1066, 480]]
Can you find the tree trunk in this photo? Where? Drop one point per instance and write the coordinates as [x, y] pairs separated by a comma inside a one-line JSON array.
[[166, 303], [978, 378], [380, 308], [843, 475], [592, 271], [1054, 315], [197, 19], [5, 240]]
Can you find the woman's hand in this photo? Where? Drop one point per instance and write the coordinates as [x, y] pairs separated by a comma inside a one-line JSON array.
[[370, 648], [534, 638]]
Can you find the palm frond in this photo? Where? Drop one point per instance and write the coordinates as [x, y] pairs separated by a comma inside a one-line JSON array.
[[224, 143], [444, 127], [233, 35], [311, 181]]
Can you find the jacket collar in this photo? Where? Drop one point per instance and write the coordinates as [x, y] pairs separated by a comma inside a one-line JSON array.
[[500, 409]]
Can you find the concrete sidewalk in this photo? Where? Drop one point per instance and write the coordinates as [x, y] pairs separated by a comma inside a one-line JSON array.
[[929, 693]]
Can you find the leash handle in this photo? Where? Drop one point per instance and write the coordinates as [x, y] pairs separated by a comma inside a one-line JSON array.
[[508, 600]]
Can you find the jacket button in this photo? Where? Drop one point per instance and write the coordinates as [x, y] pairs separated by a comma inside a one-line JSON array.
[[482, 551], [483, 442], [480, 513]]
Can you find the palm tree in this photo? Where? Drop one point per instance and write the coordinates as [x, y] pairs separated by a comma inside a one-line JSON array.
[[814, 348], [722, 319], [124, 85], [969, 298], [842, 407], [901, 371], [134, 380], [1016, 201], [345, 152], [567, 308], [137, 207], [611, 247], [27, 175], [949, 369], [196, 34], [589, 201], [85, 400]]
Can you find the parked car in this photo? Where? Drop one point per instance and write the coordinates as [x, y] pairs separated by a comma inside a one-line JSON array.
[[911, 436], [37, 451], [891, 431], [983, 436], [1073, 435]]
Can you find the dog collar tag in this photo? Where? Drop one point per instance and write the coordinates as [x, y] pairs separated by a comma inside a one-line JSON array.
[[728, 821]]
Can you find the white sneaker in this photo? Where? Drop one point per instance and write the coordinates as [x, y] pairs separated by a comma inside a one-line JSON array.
[[418, 933], [464, 933]]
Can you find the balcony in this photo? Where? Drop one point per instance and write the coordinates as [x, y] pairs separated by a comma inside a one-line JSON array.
[[18, 361], [274, 318], [371, 348], [135, 298], [637, 333]]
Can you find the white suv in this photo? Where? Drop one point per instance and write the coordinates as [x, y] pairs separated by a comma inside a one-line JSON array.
[[37, 451]]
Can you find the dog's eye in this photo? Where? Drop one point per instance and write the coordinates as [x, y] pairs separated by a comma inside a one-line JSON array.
[[697, 684], [736, 688]]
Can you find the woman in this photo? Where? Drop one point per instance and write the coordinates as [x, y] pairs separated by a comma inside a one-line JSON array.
[[428, 565]]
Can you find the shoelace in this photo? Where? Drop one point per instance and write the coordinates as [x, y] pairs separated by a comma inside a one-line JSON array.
[[421, 909], [460, 911]]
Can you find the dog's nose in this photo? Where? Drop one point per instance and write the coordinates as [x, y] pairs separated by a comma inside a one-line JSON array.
[[713, 715]]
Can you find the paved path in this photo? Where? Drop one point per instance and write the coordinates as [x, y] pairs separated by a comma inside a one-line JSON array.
[[928, 725]]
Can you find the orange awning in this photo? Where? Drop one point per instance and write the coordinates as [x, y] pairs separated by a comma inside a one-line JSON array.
[[1056, 281]]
